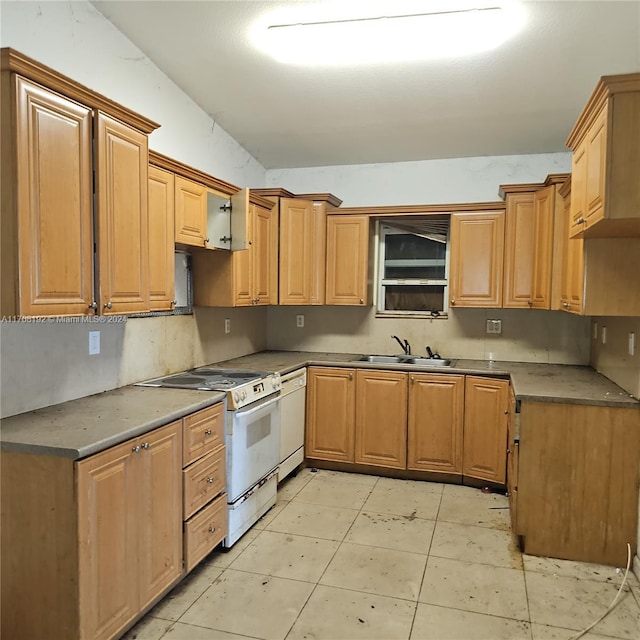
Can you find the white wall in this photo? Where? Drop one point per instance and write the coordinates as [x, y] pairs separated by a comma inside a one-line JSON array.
[[75, 39], [422, 182]]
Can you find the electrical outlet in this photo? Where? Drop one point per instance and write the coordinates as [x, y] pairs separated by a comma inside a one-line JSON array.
[[603, 333], [595, 330], [94, 343], [494, 326], [227, 325], [632, 343], [299, 321]]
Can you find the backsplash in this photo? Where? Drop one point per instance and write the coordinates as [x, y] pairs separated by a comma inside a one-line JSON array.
[[527, 335], [48, 363], [612, 358]]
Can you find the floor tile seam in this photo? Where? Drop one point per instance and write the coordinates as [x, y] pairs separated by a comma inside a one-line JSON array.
[[466, 524], [399, 515], [579, 579], [246, 547], [166, 631], [199, 626], [368, 593], [484, 564], [371, 546], [322, 504], [491, 615], [268, 575], [179, 619], [484, 613], [302, 535]]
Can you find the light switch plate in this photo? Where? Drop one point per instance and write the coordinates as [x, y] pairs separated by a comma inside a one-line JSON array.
[[94, 343], [299, 321], [603, 333], [632, 343], [227, 325]]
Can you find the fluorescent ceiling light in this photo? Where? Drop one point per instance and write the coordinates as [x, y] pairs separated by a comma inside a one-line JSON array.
[[393, 38]]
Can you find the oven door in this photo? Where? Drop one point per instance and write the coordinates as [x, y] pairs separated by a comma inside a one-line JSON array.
[[253, 444]]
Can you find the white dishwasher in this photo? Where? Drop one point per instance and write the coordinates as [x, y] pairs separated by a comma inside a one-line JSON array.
[[293, 403]]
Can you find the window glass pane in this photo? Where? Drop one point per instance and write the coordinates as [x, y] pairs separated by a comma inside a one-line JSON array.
[[414, 298], [411, 256]]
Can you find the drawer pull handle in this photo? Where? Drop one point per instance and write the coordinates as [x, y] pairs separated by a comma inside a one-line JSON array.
[[210, 480], [135, 449], [208, 432], [212, 529]]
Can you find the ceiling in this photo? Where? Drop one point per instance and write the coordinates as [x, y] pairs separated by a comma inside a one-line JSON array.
[[522, 97]]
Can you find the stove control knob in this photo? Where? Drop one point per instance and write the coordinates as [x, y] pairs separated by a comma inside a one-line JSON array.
[[236, 397], [274, 382], [244, 395]]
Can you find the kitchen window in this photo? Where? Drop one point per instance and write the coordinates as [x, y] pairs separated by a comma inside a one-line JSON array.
[[413, 266]]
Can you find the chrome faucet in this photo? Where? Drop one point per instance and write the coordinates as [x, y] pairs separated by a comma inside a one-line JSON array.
[[405, 346]]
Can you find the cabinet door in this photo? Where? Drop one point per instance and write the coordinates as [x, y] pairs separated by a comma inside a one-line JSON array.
[[108, 520], [159, 511], [518, 251], [54, 205], [123, 217], [485, 429], [262, 255], [436, 411], [381, 418], [330, 414], [243, 268], [578, 189], [477, 247], [296, 229], [190, 212], [347, 259], [572, 265], [161, 240], [544, 212], [596, 150]]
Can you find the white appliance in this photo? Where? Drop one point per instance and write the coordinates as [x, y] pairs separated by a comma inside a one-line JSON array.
[[292, 420], [252, 437]]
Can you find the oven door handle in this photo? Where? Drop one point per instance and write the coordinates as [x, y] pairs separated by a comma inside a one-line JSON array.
[[261, 406]]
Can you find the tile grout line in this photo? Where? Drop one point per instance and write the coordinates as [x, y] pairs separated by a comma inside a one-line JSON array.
[[340, 542], [424, 573]]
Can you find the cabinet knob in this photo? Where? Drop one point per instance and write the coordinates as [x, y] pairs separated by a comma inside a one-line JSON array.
[[212, 529], [580, 220], [566, 305], [207, 432], [206, 241], [145, 445], [361, 301], [93, 305], [107, 305], [507, 412], [210, 480], [135, 449], [351, 376], [174, 303], [412, 379], [453, 301]]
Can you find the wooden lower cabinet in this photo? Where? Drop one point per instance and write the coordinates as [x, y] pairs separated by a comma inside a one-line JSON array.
[[129, 529], [435, 422], [330, 414], [513, 452], [578, 478], [485, 429], [381, 418]]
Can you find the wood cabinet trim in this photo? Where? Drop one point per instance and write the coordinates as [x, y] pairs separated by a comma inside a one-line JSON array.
[[13, 60], [606, 87], [417, 209]]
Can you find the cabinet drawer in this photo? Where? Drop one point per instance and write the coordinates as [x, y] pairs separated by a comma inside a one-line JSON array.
[[203, 432], [204, 531], [203, 480]]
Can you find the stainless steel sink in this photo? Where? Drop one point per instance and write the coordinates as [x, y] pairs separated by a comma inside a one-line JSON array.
[[383, 359], [431, 362]]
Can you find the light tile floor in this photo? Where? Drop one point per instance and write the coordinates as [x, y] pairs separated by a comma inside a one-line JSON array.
[[345, 557]]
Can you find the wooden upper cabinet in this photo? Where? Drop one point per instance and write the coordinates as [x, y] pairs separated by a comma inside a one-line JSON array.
[[190, 212], [122, 157], [381, 418], [347, 260], [519, 248], [319, 253], [435, 422], [476, 261], [240, 278], [572, 268], [46, 202], [330, 414], [296, 243], [544, 209], [161, 240], [485, 429], [605, 142]]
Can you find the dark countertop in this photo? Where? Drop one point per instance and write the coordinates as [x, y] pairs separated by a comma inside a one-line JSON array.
[[82, 427]]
